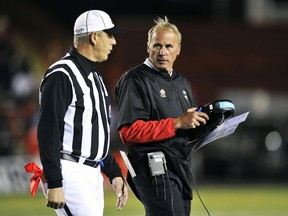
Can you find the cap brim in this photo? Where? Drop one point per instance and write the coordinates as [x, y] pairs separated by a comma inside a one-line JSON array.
[[115, 30]]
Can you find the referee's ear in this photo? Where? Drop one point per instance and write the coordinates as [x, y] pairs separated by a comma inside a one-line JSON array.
[[92, 38]]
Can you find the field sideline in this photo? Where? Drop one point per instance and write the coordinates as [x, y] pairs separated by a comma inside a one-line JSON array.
[[244, 200]]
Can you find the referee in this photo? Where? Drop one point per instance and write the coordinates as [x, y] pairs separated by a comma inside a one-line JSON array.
[[73, 130]]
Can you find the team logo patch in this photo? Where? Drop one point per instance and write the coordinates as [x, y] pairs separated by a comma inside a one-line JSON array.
[[185, 94], [162, 93]]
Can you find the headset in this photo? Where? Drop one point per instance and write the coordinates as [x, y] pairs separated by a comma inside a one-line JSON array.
[[218, 111]]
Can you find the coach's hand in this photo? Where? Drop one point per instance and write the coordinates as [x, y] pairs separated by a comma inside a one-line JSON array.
[[55, 198], [191, 119], [120, 187]]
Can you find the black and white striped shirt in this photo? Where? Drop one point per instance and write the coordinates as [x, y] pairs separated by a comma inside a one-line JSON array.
[[75, 114]]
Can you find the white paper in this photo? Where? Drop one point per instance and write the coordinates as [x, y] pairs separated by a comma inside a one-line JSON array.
[[226, 128]]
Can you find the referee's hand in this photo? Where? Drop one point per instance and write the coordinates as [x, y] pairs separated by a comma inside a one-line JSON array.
[[120, 187], [55, 198]]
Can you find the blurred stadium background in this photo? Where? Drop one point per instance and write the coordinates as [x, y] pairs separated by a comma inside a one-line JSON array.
[[234, 49]]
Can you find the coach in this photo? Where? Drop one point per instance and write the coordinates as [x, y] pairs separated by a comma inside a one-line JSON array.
[[157, 116]]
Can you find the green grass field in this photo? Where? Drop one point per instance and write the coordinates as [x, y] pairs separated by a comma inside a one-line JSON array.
[[244, 200]]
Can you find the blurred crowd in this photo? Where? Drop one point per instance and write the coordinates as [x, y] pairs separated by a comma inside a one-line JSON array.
[[18, 95]]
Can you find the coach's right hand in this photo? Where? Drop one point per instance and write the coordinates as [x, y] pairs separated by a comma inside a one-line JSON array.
[[55, 198], [191, 119]]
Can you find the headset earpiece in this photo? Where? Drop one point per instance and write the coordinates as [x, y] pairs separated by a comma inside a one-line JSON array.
[[218, 111]]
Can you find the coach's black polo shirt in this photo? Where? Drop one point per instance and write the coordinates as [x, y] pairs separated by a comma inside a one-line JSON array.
[[147, 94]]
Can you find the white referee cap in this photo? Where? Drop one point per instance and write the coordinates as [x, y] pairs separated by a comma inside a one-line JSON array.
[[95, 20]]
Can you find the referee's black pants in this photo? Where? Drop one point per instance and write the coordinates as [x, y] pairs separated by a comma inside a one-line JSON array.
[[160, 195]]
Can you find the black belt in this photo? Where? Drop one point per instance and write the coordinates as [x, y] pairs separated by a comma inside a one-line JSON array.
[[73, 158]]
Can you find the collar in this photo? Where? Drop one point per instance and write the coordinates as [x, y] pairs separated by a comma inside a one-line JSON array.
[[87, 65], [149, 63]]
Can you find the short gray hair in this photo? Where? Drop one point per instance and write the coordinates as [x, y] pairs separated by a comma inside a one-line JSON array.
[[81, 39]]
